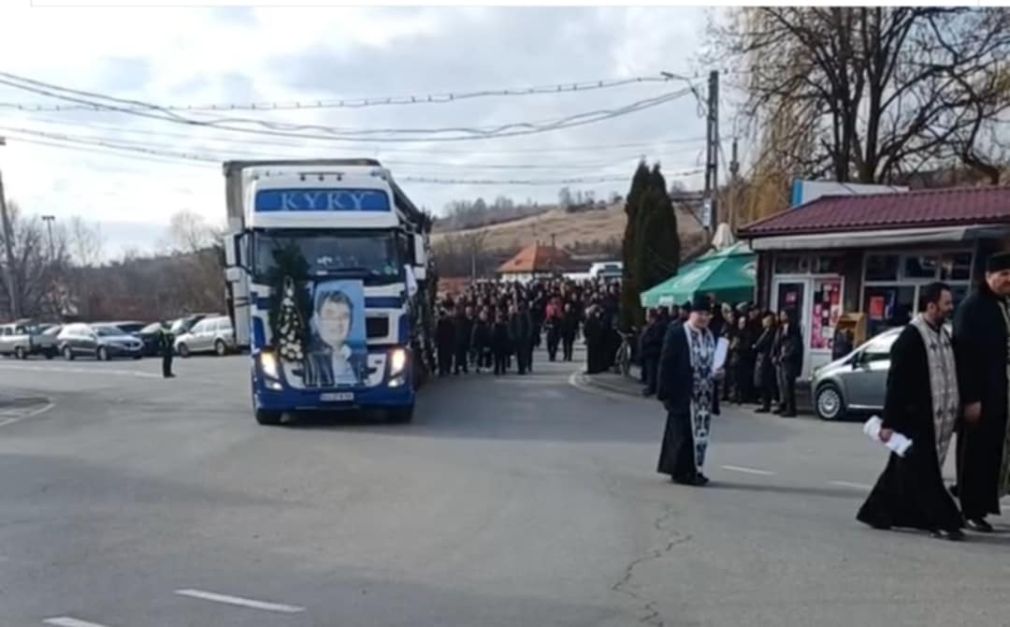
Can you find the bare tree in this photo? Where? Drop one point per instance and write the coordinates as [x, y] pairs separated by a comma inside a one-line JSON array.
[[35, 266], [189, 232], [872, 94], [85, 241]]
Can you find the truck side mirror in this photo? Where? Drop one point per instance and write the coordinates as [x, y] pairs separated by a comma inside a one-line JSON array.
[[420, 256]]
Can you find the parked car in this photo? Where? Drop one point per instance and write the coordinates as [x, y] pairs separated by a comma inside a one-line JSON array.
[[210, 335], [150, 335], [132, 327], [857, 382], [182, 325], [24, 338], [99, 341]]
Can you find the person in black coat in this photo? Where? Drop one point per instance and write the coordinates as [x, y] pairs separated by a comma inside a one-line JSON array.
[[501, 344], [445, 339], [764, 366], [981, 329], [569, 329], [480, 341], [595, 351], [464, 330], [788, 357], [910, 492], [651, 345], [521, 336]]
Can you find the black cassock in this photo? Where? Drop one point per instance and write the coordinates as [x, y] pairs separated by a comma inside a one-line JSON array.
[[980, 343], [910, 492], [675, 387]]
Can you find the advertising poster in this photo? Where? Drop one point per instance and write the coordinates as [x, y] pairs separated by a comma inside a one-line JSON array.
[[877, 308], [337, 349], [827, 308]]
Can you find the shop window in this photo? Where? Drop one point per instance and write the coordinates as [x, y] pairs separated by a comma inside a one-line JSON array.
[[955, 267], [888, 307], [882, 268], [920, 267], [789, 264], [827, 264]]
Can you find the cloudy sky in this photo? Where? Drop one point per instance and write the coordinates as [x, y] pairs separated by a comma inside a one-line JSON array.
[[195, 57]]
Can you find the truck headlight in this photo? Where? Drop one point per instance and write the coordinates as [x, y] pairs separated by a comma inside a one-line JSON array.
[[397, 361], [268, 362]]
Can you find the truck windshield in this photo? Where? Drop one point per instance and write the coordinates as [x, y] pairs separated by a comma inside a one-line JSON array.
[[371, 255]]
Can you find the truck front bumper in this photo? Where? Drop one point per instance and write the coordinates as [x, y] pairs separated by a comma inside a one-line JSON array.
[[289, 399]]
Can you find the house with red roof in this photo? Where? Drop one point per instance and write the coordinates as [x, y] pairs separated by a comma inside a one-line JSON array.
[[536, 261], [864, 258]]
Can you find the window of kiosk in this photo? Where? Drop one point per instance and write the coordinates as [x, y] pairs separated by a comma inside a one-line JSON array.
[[888, 306]]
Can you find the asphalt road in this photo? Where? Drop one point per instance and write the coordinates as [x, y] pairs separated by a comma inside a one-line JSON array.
[[128, 500]]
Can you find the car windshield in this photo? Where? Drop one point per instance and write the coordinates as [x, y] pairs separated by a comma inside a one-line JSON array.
[[109, 331], [52, 330], [370, 255], [151, 328]]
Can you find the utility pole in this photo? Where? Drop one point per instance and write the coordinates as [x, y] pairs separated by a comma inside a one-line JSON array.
[[712, 155], [734, 171], [49, 226], [12, 290]]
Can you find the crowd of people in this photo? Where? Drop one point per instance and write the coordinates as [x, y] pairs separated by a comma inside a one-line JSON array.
[[492, 326], [939, 384], [764, 358]]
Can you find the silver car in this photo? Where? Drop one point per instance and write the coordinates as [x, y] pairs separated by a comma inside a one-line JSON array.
[[856, 382], [210, 335]]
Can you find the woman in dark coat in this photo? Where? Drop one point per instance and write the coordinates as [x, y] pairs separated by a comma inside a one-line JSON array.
[[764, 369], [788, 357]]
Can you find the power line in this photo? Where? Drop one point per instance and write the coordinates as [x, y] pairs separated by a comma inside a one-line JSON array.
[[564, 181], [513, 129], [359, 103], [119, 129]]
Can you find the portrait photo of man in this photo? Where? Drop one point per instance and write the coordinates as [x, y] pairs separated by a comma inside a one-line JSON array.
[[336, 356]]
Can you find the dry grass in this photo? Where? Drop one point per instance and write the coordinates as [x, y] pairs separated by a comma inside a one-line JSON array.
[[568, 228]]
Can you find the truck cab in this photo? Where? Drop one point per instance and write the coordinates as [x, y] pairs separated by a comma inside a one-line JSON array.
[[324, 260]]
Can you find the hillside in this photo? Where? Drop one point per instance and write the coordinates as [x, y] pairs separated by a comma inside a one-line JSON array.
[[570, 229]]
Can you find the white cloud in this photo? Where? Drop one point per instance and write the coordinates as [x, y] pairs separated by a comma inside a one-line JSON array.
[[189, 56]]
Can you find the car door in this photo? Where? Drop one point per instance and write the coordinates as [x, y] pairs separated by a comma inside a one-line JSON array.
[[6, 337], [204, 336], [86, 341], [866, 385]]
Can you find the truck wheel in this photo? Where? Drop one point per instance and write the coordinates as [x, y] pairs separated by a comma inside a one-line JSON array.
[[20, 353], [220, 348], [68, 353], [268, 418], [401, 415]]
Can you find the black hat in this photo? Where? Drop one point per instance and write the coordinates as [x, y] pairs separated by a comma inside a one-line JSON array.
[[998, 262], [700, 302]]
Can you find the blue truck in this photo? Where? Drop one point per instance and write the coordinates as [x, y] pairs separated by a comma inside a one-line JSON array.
[[328, 286]]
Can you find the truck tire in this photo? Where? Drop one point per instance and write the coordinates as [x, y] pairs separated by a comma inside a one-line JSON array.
[[268, 418], [20, 353], [401, 415]]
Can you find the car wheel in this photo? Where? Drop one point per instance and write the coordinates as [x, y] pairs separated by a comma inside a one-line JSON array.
[[20, 353], [828, 403], [268, 418], [220, 348], [68, 353], [183, 350], [102, 354]]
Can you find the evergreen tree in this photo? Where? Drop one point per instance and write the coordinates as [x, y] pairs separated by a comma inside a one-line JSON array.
[[658, 245], [631, 313]]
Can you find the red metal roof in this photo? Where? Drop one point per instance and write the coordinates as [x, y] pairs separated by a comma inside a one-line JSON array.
[[955, 206], [537, 258]]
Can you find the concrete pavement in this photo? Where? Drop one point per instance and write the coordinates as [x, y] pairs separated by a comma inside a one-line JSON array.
[[512, 501]]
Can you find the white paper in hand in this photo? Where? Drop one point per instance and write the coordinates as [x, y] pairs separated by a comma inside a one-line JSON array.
[[721, 352], [898, 442]]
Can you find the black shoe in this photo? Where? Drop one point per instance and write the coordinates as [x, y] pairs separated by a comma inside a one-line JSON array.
[[701, 480], [955, 535], [980, 525], [763, 410]]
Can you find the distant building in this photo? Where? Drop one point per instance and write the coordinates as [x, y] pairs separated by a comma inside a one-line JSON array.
[[536, 261]]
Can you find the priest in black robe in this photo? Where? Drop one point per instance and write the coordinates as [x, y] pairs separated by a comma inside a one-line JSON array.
[[981, 331], [922, 404], [686, 387]]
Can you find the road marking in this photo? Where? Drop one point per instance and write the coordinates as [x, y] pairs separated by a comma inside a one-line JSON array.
[[34, 412], [240, 601], [95, 371], [849, 484], [749, 471], [67, 621]]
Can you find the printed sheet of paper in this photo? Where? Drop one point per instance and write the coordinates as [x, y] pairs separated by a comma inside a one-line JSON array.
[[898, 443]]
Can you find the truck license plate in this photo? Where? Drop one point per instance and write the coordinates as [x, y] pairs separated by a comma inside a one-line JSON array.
[[337, 396]]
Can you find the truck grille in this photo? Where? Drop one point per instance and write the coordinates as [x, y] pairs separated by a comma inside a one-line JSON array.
[[377, 327]]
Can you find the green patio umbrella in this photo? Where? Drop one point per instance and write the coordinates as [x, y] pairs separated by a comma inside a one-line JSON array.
[[730, 274]]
